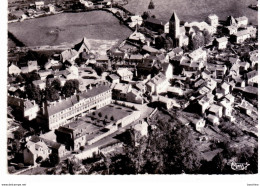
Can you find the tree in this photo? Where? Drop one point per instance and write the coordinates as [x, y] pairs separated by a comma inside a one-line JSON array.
[[207, 37], [11, 169], [99, 70], [100, 114], [70, 87], [39, 159], [112, 118], [51, 94], [81, 148], [151, 5], [56, 84], [54, 159], [52, 90], [20, 165], [181, 155], [146, 15], [34, 93], [159, 42], [19, 79], [197, 41]]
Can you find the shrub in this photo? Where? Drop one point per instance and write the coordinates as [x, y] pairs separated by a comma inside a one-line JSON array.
[[11, 169], [20, 165]]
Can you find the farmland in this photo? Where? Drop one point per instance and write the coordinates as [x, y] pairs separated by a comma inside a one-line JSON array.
[[69, 28], [189, 10]]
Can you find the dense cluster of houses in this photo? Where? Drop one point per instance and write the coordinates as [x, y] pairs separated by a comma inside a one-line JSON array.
[[141, 73]]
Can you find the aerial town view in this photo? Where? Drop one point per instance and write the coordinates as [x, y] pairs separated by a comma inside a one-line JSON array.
[[119, 87]]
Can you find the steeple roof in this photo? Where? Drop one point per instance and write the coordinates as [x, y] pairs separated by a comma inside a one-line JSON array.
[[84, 44], [174, 17]]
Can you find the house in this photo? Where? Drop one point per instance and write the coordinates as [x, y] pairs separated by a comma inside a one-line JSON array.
[[230, 98], [135, 20], [142, 127], [240, 36], [233, 60], [199, 83], [198, 55], [252, 77], [223, 89], [155, 24], [221, 43], [39, 4], [254, 59], [205, 102], [73, 72], [69, 55], [149, 50], [216, 110], [40, 83], [32, 65], [175, 52], [74, 134], [13, 69], [125, 74], [141, 87], [59, 113], [137, 37], [213, 119], [211, 84], [227, 109], [113, 78], [199, 124], [120, 91], [167, 70], [217, 71], [102, 60], [157, 84], [134, 96], [34, 149], [242, 21], [135, 59], [168, 103], [230, 30], [243, 67], [176, 91], [51, 8], [212, 20], [116, 54], [26, 108], [44, 73], [252, 31]]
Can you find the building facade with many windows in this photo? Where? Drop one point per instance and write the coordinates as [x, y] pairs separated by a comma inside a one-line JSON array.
[[64, 111]]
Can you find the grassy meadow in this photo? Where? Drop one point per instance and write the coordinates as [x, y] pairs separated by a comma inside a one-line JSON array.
[[195, 10], [69, 28]]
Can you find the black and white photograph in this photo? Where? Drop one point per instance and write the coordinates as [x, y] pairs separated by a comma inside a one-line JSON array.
[[131, 87]]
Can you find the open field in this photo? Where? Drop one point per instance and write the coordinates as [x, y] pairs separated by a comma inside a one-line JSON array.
[[190, 10], [69, 28]]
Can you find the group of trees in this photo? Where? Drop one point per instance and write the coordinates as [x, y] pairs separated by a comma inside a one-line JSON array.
[[52, 91], [200, 39], [167, 150]]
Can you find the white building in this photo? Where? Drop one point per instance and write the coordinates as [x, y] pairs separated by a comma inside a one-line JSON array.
[[242, 21], [13, 69], [212, 20], [158, 84], [221, 43]]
